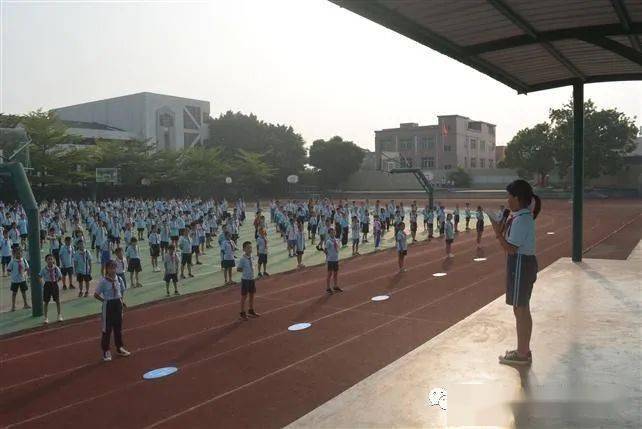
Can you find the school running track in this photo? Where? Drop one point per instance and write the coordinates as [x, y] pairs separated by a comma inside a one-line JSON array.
[[236, 374]]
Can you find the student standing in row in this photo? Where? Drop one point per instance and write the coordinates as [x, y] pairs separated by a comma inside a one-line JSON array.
[[67, 264], [133, 262], [300, 245], [402, 245], [480, 225], [262, 252], [170, 262], [467, 215], [355, 236], [82, 268], [18, 268], [431, 223], [185, 245], [121, 265], [248, 284], [377, 231], [332, 260], [50, 275], [5, 251], [227, 260], [450, 235], [110, 292], [154, 248]]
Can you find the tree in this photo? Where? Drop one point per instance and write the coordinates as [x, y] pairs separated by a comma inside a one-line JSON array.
[[608, 136], [460, 178], [336, 159], [531, 151], [282, 148], [253, 173], [47, 132]]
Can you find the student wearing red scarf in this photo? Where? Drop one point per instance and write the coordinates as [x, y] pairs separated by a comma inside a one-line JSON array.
[[19, 269], [110, 292]]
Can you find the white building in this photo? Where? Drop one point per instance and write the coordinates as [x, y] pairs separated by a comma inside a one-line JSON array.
[[170, 122]]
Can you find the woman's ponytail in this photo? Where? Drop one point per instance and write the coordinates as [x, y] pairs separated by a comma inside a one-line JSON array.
[[537, 207]]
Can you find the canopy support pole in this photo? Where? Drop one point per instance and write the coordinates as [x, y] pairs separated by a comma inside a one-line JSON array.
[[578, 169]]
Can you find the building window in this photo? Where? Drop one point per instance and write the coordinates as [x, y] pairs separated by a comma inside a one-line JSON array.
[[427, 143], [405, 144], [431, 162], [195, 112], [482, 161], [166, 120], [482, 145], [391, 165], [189, 139], [424, 162], [473, 143], [446, 148], [448, 167], [490, 163], [473, 162], [188, 122], [387, 145]]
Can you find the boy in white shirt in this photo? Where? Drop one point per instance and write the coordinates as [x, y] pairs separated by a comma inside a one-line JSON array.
[[18, 268], [170, 262], [248, 285], [133, 262], [50, 275]]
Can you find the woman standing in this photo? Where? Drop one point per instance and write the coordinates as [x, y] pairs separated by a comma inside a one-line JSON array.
[[518, 240]]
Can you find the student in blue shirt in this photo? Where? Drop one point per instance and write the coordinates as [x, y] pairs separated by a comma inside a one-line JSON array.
[[5, 251], [110, 292], [50, 275], [300, 244], [67, 264], [82, 267], [227, 260], [331, 250], [402, 245], [449, 230], [518, 240], [18, 268], [248, 285]]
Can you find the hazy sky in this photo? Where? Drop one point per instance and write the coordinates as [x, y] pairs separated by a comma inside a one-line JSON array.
[[307, 63]]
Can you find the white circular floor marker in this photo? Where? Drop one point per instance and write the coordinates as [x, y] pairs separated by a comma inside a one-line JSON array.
[[479, 259], [299, 326], [550, 233], [160, 373], [379, 298], [439, 274]]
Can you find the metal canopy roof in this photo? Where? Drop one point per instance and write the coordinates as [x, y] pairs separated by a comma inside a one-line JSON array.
[[529, 45]]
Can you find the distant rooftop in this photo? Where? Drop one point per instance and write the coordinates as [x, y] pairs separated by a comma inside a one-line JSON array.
[[90, 125], [129, 96]]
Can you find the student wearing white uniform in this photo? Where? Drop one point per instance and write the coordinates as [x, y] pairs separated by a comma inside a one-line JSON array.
[[262, 251], [18, 268], [331, 250], [110, 292], [170, 262], [248, 284], [518, 241], [402, 245], [133, 262], [49, 276], [449, 230]]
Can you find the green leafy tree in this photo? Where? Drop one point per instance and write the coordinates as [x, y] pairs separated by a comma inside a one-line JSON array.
[[203, 169], [460, 178], [336, 159], [531, 152], [608, 136], [282, 148], [252, 172], [47, 132]]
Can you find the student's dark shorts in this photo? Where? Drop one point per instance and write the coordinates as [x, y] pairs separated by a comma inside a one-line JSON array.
[[365, 228], [480, 225], [225, 263], [195, 250], [208, 235], [521, 273], [24, 236], [430, 226], [262, 258], [43, 234], [164, 245], [292, 243], [299, 252], [313, 228], [333, 265], [105, 257], [186, 259], [83, 277], [355, 241], [6, 260], [403, 252], [247, 286], [134, 266], [141, 229], [50, 291], [180, 231], [154, 250], [449, 240], [456, 218], [22, 286], [413, 226], [174, 237], [171, 277], [67, 271]]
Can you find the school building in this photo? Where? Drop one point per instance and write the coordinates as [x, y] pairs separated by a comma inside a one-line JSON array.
[[455, 141], [170, 122]]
